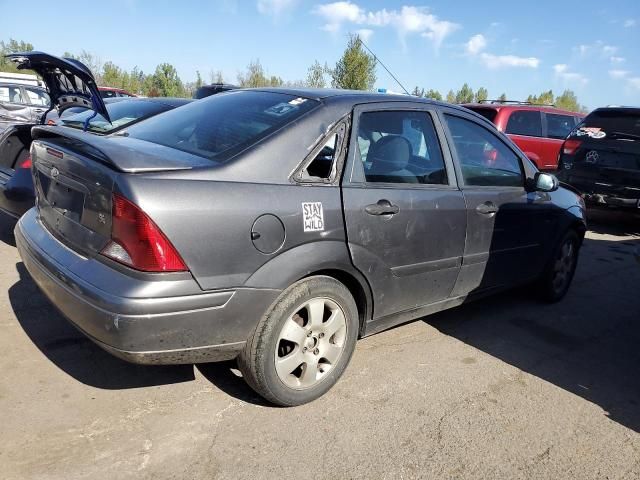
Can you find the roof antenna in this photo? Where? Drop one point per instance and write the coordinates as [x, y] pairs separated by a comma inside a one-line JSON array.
[[383, 66]]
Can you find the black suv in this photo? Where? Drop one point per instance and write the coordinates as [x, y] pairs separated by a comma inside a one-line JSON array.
[[601, 157]]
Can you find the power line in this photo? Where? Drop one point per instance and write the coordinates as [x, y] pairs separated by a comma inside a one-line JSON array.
[[384, 66]]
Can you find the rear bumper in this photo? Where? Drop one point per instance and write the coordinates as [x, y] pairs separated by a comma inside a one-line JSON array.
[[166, 321], [601, 193]]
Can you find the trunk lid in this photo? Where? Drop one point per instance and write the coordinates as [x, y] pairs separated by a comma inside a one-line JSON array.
[[75, 175], [70, 82]]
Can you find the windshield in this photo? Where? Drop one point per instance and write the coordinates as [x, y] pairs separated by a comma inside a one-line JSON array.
[[488, 113], [610, 122], [122, 113], [220, 126]]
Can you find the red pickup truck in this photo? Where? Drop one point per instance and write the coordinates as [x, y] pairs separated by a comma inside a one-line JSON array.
[[538, 130]]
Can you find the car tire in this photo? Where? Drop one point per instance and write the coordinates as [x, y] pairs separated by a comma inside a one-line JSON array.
[[303, 344], [556, 279]]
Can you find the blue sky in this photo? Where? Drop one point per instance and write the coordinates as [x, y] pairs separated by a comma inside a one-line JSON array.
[[505, 46]]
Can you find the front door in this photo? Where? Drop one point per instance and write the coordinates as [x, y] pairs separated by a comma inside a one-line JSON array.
[[505, 223], [405, 216]]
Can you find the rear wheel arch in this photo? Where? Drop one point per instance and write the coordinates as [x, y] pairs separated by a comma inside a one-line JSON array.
[[358, 288]]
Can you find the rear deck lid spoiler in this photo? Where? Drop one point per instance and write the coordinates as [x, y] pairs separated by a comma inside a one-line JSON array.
[[69, 82], [121, 153]]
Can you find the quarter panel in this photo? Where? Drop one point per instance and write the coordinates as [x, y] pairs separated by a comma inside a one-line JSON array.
[[210, 222]]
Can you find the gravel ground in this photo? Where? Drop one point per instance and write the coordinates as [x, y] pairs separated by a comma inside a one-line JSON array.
[[502, 388]]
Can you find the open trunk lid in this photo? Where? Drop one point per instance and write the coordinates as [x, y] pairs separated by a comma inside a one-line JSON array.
[[69, 82]]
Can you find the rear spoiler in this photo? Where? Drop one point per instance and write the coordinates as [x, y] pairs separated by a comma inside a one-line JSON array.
[[119, 152]]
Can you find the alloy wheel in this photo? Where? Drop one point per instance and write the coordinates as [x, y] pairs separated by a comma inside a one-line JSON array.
[[310, 343]]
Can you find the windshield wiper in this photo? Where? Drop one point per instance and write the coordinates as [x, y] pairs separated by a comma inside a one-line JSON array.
[[626, 136]]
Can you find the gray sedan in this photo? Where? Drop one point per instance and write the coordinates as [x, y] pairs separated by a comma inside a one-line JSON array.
[[278, 226]]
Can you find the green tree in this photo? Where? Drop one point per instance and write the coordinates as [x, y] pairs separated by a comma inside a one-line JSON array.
[[316, 76], [418, 92], [451, 97], [465, 94], [481, 95], [545, 98], [216, 77], [112, 75], [198, 79], [165, 82], [433, 94], [502, 98], [254, 76], [569, 101], [356, 69]]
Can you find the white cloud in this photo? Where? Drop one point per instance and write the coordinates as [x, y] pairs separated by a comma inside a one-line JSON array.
[[476, 44], [501, 61], [617, 60], [365, 34], [562, 71], [406, 21], [617, 74], [630, 22], [597, 48], [275, 7]]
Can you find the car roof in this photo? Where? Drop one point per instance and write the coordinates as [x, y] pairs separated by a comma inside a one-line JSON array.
[[522, 106], [613, 109]]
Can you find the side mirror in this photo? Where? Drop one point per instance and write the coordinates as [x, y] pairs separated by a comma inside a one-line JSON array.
[[545, 182]]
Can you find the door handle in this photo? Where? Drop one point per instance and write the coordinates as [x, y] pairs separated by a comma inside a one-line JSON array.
[[487, 208], [383, 207]]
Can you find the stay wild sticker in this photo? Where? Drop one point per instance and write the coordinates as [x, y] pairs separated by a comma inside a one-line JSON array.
[[312, 216]]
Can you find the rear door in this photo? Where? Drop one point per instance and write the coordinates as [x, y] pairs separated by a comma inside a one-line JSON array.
[[524, 127], [14, 107], [405, 216], [505, 224], [39, 103]]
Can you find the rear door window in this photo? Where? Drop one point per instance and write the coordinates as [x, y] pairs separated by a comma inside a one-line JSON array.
[[559, 126], [221, 126], [400, 147], [37, 97], [525, 122]]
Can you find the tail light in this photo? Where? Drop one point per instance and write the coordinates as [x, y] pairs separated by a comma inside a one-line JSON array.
[[571, 146], [50, 122], [26, 163], [138, 242]]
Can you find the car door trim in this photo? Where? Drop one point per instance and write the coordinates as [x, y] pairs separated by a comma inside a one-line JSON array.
[[430, 266]]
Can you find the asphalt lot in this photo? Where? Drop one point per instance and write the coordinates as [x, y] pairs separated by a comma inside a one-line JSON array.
[[503, 388]]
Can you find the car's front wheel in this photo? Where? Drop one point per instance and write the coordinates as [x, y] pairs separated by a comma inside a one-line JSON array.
[[556, 279], [303, 344]]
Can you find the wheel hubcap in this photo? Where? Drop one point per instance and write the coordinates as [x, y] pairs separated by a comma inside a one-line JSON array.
[[310, 343], [563, 266]]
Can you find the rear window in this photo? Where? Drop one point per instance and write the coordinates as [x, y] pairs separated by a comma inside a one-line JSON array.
[[488, 113], [610, 121], [525, 122], [122, 113], [220, 126]]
